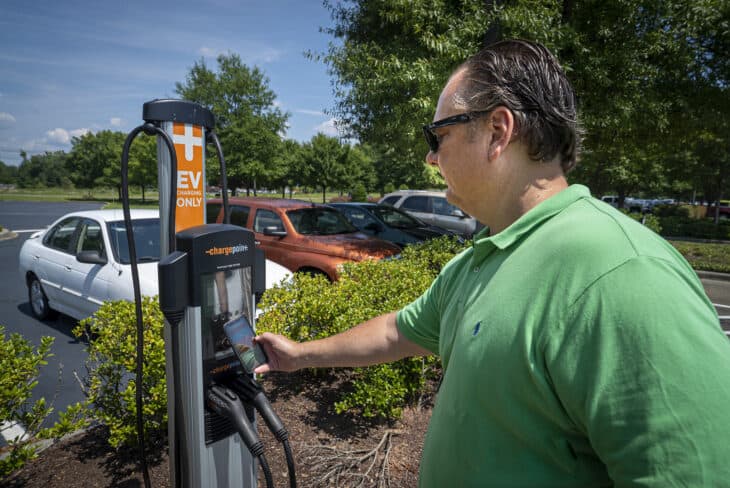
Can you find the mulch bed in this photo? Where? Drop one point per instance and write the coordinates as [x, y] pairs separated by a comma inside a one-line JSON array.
[[329, 449]]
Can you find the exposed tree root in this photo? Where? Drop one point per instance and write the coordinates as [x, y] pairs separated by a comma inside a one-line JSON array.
[[334, 466]]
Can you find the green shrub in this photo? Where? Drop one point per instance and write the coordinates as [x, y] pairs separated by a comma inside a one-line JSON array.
[[671, 211], [705, 256], [359, 193], [20, 363], [312, 308], [389, 188], [111, 383], [649, 220], [676, 226]]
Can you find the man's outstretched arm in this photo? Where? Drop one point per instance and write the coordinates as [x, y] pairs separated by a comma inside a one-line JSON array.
[[373, 342]]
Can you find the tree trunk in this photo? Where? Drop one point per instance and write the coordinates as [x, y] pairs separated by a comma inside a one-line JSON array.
[[324, 190]]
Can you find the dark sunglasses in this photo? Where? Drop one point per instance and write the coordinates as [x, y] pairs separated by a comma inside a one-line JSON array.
[[431, 137]]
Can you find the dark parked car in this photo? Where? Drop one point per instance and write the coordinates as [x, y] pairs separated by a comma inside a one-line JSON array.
[[302, 236], [389, 223]]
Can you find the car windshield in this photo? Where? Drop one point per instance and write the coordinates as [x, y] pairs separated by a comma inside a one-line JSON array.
[[146, 240], [396, 218], [319, 221]]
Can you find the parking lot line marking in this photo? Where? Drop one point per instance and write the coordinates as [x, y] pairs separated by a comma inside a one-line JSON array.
[[723, 317], [11, 431], [25, 231], [721, 306]]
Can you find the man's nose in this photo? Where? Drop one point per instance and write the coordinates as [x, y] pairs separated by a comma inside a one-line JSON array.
[[432, 159]]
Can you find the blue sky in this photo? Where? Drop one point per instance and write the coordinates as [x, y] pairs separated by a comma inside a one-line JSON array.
[[68, 67]]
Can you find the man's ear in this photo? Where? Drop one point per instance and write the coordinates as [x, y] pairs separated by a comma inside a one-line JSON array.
[[501, 124]]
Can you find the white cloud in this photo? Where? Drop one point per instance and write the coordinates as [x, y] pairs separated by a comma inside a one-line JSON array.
[[58, 136], [304, 111], [62, 137], [115, 121], [6, 120], [327, 128], [251, 53], [208, 52]]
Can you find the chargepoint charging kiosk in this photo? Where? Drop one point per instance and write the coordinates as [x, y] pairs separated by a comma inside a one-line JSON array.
[[209, 279]]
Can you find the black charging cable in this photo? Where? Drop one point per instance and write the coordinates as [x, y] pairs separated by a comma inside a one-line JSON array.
[[213, 137], [226, 403], [251, 392], [149, 129]]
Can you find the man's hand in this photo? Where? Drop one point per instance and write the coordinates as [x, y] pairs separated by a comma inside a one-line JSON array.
[[280, 351], [373, 342]]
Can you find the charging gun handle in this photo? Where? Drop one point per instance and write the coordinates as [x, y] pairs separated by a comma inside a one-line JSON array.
[[227, 404], [251, 392]]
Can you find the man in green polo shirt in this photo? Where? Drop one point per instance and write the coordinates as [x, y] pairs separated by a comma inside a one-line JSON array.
[[578, 347]]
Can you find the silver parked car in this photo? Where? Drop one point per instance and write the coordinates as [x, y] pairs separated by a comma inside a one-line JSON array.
[[432, 208], [82, 260]]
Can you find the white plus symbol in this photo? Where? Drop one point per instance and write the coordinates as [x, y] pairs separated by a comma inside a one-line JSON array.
[[189, 140]]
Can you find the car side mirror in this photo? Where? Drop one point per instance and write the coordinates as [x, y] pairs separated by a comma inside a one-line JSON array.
[[90, 257], [458, 213], [274, 231]]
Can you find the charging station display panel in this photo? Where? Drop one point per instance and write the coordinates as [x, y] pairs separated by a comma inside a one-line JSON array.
[[226, 296]]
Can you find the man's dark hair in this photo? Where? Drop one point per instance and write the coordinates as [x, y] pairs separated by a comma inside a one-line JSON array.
[[527, 79]]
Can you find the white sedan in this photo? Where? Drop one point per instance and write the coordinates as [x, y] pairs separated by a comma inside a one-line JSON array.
[[82, 260]]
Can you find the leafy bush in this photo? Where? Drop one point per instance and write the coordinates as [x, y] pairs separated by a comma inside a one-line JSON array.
[[649, 220], [671, 211], [705, 256], [676, 226], [359, 193], [20, 363], [310, 307], [111, 383]]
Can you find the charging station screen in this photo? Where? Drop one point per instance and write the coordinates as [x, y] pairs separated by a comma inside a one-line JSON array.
[[227, 295]]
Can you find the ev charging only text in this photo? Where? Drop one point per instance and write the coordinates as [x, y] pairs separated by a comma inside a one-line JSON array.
[[188, 189]]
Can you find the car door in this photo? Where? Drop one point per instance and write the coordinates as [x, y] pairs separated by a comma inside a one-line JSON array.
[[54, 262], [273, 246], [420, 207], [87, 285], [444, 216]]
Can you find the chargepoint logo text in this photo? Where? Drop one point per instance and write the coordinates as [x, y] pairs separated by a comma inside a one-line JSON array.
[[226, 251]]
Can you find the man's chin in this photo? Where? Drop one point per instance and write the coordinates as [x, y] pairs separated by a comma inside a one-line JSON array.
[[451, 197]]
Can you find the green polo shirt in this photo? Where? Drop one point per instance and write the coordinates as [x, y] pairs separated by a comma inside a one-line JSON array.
[[578, 349]]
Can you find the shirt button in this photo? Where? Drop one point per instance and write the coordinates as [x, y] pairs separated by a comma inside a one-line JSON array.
[[476, 269]]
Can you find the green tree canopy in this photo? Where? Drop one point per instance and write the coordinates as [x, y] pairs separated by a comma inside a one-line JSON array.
[[44, 171], [248, 122], [325, 163], [638, 66], [95, 159], [8, 173], [288, 167]]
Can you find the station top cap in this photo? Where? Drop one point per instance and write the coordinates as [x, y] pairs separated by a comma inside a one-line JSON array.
[[169, 110]]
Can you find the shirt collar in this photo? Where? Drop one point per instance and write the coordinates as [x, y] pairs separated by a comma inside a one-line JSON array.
[[484, 243]]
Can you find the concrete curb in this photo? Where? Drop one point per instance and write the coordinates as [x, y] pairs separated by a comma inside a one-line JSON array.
[[6, 234], [712, 275]]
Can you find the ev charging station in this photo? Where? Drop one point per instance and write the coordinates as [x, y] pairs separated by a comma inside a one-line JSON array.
[[208, 276]]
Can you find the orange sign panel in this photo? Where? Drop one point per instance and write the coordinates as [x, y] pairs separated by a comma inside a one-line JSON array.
[[190, 199]]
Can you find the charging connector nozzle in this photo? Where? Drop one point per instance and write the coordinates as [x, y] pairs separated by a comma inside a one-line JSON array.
[[251, 392], [226, 403]]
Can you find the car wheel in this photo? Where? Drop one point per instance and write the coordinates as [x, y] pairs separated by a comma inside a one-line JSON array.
[[38, 300]]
